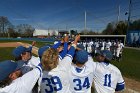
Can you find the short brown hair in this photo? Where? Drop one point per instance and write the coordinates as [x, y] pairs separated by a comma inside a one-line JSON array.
[[50, 59]]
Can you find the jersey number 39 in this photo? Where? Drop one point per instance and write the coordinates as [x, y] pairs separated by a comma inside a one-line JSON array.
[[53, 84]]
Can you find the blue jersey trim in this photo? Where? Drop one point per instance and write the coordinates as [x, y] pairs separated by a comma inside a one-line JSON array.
[[39, 68], [70, 56], [60, 57], [119, 87], [78, 69], [121, 83]]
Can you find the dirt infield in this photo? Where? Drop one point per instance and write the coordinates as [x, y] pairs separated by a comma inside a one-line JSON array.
[[15, 44], [10, 44], [132, 86]]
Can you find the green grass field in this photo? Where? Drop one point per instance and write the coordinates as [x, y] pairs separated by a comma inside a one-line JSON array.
[[130, 64]]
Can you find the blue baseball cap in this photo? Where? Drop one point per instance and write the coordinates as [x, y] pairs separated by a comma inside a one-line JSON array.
[[107, 54], [81, 56], [7, 67], [42, 49], [81, 46], [19, 50]]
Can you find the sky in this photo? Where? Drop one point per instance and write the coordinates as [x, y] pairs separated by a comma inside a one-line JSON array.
[[67, 14]]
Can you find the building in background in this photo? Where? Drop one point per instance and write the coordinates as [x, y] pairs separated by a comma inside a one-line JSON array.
[[44, 33]]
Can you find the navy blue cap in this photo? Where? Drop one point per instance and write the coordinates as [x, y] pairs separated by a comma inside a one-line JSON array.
[[81, 56], [81, 46], [107, 54], [42, 49], [19, 50], [7, 67]]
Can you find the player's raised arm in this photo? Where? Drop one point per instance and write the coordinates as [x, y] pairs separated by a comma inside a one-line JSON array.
[[63, 53], [68, 58]]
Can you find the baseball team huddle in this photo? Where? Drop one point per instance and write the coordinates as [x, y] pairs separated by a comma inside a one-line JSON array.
[[65, 67]]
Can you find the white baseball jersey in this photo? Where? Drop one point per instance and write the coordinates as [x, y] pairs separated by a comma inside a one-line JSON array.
[[107, 78], [33, 62], [118, 49], [81, 78], [108, 44], [23, 84], [57, 80]]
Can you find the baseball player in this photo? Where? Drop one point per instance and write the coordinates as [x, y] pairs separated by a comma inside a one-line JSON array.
[[108, 45], [118, 49], [56, 75], [81, 73], [107, 77], [12, 81], [23, 53]]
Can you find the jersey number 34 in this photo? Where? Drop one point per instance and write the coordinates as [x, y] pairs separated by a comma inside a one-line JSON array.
[[80, 85]]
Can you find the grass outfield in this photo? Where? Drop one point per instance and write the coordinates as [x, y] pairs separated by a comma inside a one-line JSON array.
[[6, 54], [130, 64]]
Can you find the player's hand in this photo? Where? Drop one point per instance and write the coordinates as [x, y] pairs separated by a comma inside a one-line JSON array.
[[33, 43], [62, 40], [77, 38], [66, 39]]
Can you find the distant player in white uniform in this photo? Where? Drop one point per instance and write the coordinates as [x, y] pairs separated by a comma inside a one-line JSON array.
[[118, 49], [108, 45], [55, 78], [107, 77]]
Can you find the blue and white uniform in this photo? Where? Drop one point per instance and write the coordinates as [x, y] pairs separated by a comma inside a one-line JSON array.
[[25, 83], [57, 80], [81, 78], [107, 78]]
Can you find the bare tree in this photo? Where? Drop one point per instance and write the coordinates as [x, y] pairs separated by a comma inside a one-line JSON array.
[[4, 25], [25, 30]]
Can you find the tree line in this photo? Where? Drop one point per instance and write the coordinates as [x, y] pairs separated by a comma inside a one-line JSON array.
[[7, 29], [119, 28]]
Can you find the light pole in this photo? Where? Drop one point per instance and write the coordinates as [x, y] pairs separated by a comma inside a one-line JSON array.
[[129, 14]]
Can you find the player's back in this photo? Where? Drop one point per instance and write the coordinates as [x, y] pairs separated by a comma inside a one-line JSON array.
[[81, 81], [55, 81], [106, 78]]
